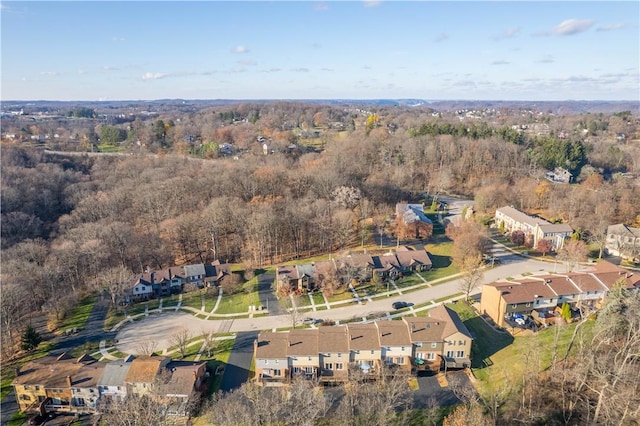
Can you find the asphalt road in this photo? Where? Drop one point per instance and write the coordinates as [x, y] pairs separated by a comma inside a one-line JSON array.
[[237, 369]]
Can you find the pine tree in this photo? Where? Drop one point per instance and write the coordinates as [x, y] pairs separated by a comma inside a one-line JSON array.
[[30, 338]]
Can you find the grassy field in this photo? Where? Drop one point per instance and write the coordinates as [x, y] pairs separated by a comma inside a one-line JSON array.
[[79, 316], [237, 303], [499, 358]]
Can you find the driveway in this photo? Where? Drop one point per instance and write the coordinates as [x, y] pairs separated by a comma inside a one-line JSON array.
[[430, 394], [237, 369], [92, 331], [265, 292]]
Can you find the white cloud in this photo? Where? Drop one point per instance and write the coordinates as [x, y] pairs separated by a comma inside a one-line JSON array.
[[153, 76], [441, 37], [500, 62], [240, 49], [548, 59], [302, 69], [508, 33], [49, 73], [611, 27], [573, 26], [372, 3]]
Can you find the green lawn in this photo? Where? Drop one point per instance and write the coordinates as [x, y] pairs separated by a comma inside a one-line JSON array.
[[318, 299], [499, 357], [79, 316], [345, 295], [237, 303], [192, 299]]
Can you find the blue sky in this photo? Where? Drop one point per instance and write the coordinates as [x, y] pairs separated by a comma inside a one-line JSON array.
[[492, 50]]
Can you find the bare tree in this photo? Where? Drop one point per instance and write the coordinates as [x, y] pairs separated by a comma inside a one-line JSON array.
[[147, 347], [573, 252], [471, 268], [181, 340]]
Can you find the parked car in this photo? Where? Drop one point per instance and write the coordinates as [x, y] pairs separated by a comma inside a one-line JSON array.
[[37, 420], [311, 321], [400, 305]]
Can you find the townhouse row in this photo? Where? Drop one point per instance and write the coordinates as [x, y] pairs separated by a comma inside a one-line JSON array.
[[535, 228], [63, 384], [539, 295], [333, 353], [358, 266], [160, 283]]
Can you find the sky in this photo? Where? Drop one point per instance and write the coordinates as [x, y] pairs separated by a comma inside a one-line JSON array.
[[432, 50]]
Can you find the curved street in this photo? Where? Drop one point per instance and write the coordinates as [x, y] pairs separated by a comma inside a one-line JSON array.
[[158, 328]]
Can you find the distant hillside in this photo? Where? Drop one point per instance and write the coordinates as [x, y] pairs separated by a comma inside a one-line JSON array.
[[555, 107]]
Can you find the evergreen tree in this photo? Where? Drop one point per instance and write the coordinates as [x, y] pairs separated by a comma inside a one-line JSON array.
[[30, 338]]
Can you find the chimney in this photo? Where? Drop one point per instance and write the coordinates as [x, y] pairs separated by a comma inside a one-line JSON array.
[[69, 381], [17, 371]]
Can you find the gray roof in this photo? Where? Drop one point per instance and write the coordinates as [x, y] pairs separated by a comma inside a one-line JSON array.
[[192, 270], [556, 228], [412, 213], [625, 230], [114, 373], [520, 217]]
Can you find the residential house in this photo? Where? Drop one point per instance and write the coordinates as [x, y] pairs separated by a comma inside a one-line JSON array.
[[386, 266], [413, 260], [364, 347], [184, 380], [215, 273], [333, 350], [415, 222], [55, 384], [395, 343], [624, 241], [560, 175], [457, 338], [271, 358], [194, 274], [441, 339], [303, 355], [143, 373], [592, 291], [501, 300], [534, 227], [296, 278], [112, 382]]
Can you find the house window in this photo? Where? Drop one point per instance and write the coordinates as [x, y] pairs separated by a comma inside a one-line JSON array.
[[328, 366], [277, 361], [37, 387], [26, 387], [528, 305], [402, 349], [309, 358], [419, 345], [419, 355], [339, 366], [372, 351], [388, 361], [277, 372], [514, 306], [308, 370], [449, 354], [25, 398], [451, 342], [266, 362], [434, 345], [460, 354], [461, 342], [400, 360], [431, 356], [339, 355]]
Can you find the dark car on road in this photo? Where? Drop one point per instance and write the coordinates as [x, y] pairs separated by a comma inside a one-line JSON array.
[[400, 305]]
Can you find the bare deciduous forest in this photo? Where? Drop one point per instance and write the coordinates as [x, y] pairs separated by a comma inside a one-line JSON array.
[[259, 184]]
